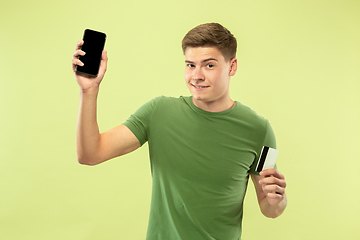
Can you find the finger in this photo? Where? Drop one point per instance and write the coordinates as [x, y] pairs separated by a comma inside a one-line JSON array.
[[272, 171], [104, 55], [273, 189], [79, 44], [274, 198], [104, 60], [78, 53], [269, 171], [75, 62], [271, 180]]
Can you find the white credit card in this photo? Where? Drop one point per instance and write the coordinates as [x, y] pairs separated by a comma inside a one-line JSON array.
[[267, 158]]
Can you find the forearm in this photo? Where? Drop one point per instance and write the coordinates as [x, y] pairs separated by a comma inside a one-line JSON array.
[[273, 211], [87, 130]]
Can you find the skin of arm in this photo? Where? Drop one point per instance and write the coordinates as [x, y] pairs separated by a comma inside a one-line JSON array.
[[93, 147], [270, 191]]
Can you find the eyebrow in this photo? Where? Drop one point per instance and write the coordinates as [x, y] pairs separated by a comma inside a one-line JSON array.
[[203, 61]]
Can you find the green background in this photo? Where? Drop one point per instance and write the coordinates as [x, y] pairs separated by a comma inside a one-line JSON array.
[[299, 66]]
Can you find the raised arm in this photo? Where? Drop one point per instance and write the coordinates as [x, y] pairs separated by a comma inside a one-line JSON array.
[[93, 147]]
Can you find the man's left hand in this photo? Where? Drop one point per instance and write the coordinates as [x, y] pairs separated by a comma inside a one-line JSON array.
[[273, 184]]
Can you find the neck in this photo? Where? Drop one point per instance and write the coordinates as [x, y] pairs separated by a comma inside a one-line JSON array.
[[214, 106]]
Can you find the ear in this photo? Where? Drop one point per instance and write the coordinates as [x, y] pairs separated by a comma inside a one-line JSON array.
[[233, 66]]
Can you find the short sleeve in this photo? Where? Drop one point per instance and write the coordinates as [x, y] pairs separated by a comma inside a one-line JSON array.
[[139, 122], [269, 141]]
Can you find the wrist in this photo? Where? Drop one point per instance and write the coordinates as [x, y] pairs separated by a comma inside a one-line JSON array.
[[273, 211], [93, 90]]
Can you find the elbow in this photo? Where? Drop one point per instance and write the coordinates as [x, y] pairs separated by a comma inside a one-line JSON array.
[[85, 158], [87, 161], [84, 162]]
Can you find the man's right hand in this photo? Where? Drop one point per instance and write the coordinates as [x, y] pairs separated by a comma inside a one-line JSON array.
[[92, 147], [87, 82]]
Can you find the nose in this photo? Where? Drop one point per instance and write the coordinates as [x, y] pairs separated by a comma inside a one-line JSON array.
[[198, 74]]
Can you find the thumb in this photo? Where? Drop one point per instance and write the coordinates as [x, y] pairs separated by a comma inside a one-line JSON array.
[[104, 55], [104, 59]]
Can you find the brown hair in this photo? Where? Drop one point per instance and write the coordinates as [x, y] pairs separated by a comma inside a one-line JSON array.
[[211, 35]]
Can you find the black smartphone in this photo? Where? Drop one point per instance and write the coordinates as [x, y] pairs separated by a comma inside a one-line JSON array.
[[93, 46]]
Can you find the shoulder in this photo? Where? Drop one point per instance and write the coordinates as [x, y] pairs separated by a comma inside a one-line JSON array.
[[153, 103], [169, 101], [162, 103], [172, 99], [249, 114], [261, 125]]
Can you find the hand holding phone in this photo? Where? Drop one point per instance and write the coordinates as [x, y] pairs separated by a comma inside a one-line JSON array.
[[93, 46], [96, 61]]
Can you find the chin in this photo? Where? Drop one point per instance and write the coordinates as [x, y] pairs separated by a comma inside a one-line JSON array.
[[197, 97], [200, 99]]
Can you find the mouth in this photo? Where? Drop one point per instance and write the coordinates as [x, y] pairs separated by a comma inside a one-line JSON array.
[[199, 87]]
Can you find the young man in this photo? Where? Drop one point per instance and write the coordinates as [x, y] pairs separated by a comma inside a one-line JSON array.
[[202, 148]]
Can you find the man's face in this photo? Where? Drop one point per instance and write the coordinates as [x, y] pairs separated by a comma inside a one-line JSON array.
[[207, 75]]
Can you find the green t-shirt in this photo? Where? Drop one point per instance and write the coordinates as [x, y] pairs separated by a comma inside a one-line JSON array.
[[200, 165]]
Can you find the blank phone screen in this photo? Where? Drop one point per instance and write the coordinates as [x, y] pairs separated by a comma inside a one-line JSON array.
[[93, 46]]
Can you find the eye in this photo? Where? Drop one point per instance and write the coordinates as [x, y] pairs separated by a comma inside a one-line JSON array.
[[210, 65], [189, 65]]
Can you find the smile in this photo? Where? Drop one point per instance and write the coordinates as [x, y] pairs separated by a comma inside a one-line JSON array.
[[199, 87]]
